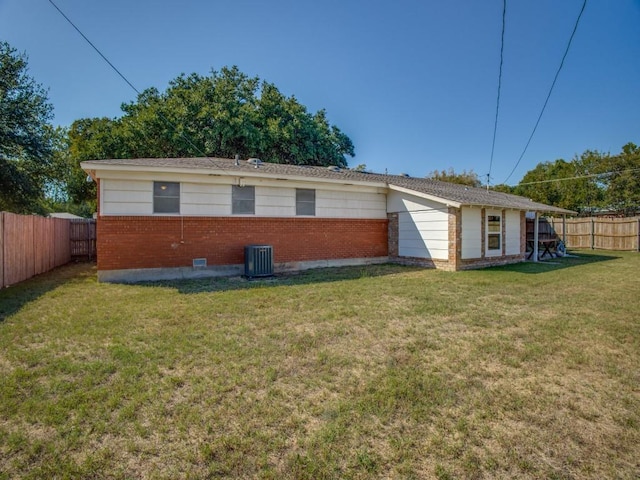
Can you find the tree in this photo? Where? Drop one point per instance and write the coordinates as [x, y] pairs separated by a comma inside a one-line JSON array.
[[26, 135], [576, 185], [469, 178], [623, 192], [220, 115]]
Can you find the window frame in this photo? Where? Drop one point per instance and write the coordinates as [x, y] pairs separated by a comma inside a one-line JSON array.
[[304, 207], [240, 194], [494, 222], [167, 199]]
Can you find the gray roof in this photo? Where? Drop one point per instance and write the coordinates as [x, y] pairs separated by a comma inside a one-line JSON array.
[[452, 192]]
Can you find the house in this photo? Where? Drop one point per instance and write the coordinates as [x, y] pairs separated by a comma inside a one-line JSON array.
[[65, 215], [186, 217]]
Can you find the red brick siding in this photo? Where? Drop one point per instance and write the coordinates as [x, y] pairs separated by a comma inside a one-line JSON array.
[[126, 242]]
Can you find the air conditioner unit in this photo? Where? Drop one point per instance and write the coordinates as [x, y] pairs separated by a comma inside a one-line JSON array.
[[258, 261]]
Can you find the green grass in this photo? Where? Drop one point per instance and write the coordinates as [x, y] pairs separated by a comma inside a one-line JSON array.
[[527, 371]]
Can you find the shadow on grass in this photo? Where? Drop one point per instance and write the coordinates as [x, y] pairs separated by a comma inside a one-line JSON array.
[[573, 259], [325, 275], [14, 297], [306, 277]]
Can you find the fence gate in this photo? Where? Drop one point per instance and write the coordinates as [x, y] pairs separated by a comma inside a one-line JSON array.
[[82, 235]]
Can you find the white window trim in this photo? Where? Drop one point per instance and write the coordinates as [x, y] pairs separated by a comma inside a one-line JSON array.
[[153, 203], [493, 252]]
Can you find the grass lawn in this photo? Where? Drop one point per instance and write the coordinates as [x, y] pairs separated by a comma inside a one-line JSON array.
[[526, 371]]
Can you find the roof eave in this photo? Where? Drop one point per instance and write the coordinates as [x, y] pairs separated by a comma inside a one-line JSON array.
[[445, 201], [95, 166]]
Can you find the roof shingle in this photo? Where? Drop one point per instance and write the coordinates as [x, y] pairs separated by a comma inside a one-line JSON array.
[[452, 192]]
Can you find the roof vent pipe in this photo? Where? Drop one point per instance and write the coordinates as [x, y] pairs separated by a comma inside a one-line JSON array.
[[237, 160]]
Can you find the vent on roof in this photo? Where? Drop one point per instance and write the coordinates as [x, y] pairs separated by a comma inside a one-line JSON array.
[[404, 175], [254, 161], [333, 168]]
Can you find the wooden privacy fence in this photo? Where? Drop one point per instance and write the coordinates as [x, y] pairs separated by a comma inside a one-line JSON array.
[[30, 245], [599, 233], [82, 235]]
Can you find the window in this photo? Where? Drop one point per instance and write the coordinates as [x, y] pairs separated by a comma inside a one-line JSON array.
[[166, 197], [305, 201], [494, 232], [243, 200]]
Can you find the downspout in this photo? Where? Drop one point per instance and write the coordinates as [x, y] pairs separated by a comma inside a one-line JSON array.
[[535, 237]]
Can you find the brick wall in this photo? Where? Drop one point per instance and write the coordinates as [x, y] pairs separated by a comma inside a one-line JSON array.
[[393, 234], [166, 242]]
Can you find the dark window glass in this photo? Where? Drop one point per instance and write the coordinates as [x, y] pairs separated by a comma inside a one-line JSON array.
[[166, 197], [494, 230], [305, 201], [243, 200]]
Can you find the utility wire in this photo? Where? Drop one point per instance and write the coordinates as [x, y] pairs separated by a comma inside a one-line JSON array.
[[94, 47], [575, 28], [495, 124], [163, 117], [578, 177]]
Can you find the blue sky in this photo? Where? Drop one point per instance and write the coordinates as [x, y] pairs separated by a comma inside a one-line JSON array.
[[413, 83]]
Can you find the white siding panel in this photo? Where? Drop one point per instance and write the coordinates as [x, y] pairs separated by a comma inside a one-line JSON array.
[[471, 233], [203, 199], [512, 225], [423, 234], [120, 196], [127, 185], [119, 208], [337, 204], [404, 202], [275, 202], [423, 226], [126, 197]]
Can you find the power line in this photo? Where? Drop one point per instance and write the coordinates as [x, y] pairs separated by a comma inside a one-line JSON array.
[[578, 177], [495, 124], [163, 117], [94, 47], [575, 28]]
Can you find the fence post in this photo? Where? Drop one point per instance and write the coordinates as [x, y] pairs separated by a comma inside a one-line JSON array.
[[593, 233], [1, 250], [638, 232]]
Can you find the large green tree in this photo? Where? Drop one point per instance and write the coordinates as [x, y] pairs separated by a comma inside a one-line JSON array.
[[220, 115], [565, 184], [223, 114], [26, 136], [623, 181], [592, 181]]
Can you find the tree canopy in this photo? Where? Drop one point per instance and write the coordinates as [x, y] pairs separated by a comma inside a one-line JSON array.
[[26, 135], [469, 178], [590, 182], [220, 115], [223, 114]]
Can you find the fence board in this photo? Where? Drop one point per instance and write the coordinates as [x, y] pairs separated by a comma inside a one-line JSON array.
[[599, 233], [62, 251], [30, 245], [83, 238], [2, 250], [18, 248]]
